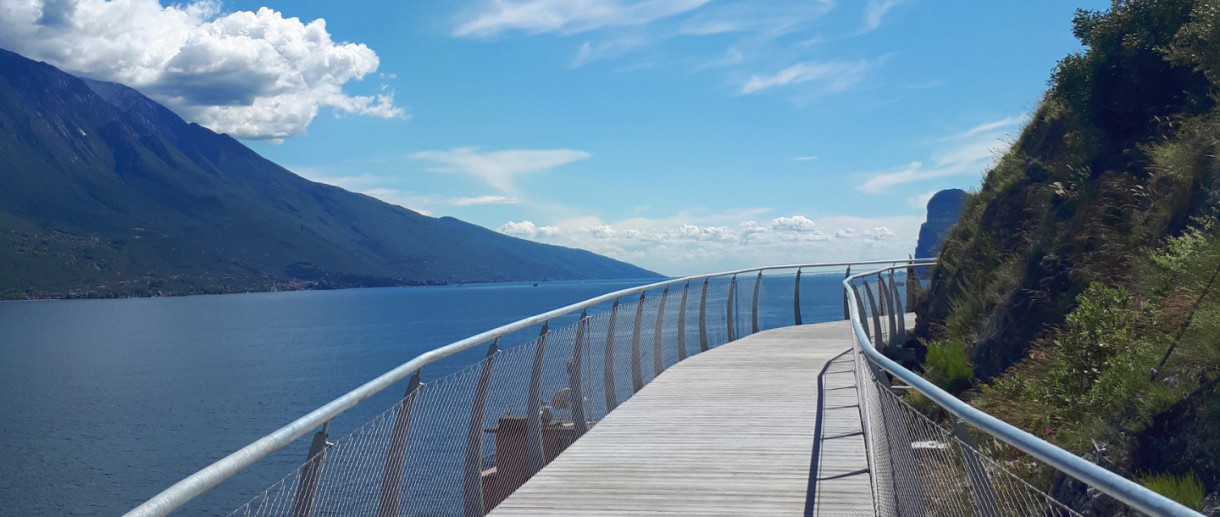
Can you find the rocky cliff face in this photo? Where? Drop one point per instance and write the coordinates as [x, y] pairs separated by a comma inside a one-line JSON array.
[[944, 209]]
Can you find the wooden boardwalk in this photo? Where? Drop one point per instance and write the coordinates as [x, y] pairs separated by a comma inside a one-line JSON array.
[[730, 431]]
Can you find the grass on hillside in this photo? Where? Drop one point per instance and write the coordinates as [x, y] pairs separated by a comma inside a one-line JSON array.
[[1077, 297]]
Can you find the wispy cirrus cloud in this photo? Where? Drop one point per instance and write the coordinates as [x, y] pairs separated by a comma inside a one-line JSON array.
[[987, 128], [381, 187], [404, 198], [500, 169], [876, 10], [565, 16], [590, 52], [831, 77], [970, 151], [758, 46], [484, 200], [759, 21]]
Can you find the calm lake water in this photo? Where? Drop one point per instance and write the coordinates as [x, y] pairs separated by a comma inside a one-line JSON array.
[[104, 403]]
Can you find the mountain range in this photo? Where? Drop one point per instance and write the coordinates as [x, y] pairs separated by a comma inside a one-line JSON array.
[[104, 192]]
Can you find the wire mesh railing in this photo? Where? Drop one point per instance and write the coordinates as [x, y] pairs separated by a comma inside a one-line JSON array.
[[966, 462], [460, 444]]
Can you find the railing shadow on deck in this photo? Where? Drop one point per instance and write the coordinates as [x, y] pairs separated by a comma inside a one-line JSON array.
[[460, 444]]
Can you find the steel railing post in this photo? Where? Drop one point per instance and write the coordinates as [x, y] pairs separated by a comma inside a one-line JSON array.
[[396, 456], [796, 298], [881, 303], [846, 312], [682, 324], [533, 412], [754, 304], [872, 303], [576, 385], [608, 365], [472, 474], [901, 336], [658, 359], [302, 504], [860, 308], [637, 376], [703, 318], [730, 320], [888, 301]]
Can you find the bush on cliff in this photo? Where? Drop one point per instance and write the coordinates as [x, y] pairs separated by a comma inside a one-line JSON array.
[[1079, 279]]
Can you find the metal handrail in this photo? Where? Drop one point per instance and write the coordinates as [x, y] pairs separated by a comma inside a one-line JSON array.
[[1114, 485], [192, 486]]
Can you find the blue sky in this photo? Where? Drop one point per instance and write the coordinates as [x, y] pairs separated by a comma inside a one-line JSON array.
[[681, 135]]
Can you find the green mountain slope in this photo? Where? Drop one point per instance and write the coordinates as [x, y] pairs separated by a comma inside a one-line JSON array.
[[1079, 283], [103, 192]]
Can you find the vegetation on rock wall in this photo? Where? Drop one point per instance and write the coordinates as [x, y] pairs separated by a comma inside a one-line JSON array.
[[1078, 286]]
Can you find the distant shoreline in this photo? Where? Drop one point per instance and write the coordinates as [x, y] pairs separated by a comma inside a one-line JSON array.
[[76, 294]]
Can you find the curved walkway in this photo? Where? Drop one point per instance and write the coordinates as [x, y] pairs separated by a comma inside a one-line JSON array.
[[727, 432]]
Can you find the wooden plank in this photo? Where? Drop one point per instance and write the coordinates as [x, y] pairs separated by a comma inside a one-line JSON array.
[[725, 432]]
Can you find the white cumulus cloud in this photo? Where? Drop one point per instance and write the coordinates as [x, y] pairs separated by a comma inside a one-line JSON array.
[[691, 243], [749, 229], [879, 233], [695, 232], [250, 74], [528, 229], [603, 231], [797, 223]]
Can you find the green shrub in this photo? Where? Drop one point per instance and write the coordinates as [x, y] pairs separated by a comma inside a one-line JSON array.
[[1096, 352], [1195, 43], [1183, 489], [1182, 252], [1011, 386], [947, 365]]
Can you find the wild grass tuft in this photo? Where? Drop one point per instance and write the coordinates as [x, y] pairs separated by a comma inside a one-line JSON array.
[[948, 366], [1185, 489]]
